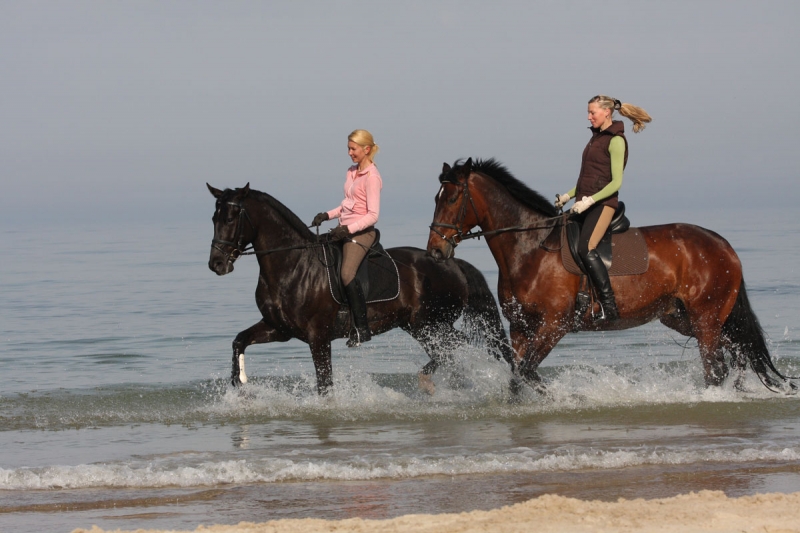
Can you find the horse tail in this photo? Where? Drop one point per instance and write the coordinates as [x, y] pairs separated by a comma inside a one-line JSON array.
[[748, 344], [482, 317]]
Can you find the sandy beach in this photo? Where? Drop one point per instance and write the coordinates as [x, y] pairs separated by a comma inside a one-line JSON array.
[[705, 511]]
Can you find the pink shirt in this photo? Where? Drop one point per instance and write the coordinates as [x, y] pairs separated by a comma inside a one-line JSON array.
[[362, 199]]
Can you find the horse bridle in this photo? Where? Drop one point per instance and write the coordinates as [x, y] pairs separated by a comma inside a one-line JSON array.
[[460, 235], [235, 245]]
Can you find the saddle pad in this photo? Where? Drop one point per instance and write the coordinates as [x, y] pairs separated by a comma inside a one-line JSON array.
[[378, 275], [628, 249]]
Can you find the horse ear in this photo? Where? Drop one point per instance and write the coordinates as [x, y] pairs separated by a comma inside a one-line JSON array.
[[246, 189], [468, 165], [216, 193], [445, 168]]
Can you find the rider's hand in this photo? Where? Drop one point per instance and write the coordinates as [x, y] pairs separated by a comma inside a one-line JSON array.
[[585, 203], [561, 199], [339, 233], [319, 219]]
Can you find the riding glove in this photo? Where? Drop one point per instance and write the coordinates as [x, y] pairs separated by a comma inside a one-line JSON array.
[[319, 219], [585, 203], [339, 233], [562, 199]]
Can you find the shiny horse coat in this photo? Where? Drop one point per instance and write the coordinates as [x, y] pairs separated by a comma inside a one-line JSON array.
[[693, 285], [295, 301]]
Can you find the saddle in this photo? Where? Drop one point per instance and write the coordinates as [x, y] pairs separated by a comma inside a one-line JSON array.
[[377, 273], [622, 249]]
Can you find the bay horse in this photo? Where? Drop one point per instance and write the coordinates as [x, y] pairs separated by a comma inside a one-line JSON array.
[[295, 301], [694, 282]]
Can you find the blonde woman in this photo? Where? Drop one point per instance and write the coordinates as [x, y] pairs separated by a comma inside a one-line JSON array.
[[357, 214], [599, 182]]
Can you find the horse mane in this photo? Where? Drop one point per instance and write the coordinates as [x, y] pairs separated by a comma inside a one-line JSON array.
[[284, 212], [499, 173]]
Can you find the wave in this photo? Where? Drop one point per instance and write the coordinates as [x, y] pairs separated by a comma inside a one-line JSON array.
[[165, 473]]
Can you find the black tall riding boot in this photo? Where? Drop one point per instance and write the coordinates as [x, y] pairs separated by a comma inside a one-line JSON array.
[[358, 309], [599, 275]]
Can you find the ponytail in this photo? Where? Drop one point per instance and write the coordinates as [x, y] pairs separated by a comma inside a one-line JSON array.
[[364, 138], [635, 114]]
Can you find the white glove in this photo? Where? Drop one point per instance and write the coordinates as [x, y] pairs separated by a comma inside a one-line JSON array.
[[585, 203], [561, 199]]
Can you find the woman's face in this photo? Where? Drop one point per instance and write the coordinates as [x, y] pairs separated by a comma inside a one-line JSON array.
[[599, 117], [357, 152]]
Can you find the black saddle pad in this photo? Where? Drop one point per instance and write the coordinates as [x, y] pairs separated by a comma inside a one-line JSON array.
[[377, 273]]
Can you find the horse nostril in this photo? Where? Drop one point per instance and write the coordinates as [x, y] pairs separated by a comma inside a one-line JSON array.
[[216, 265], [436, 254]]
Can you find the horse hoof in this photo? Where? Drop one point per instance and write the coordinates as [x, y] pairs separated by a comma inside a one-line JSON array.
[[426, 384]]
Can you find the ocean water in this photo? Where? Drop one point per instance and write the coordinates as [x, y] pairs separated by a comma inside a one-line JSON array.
[[115, 407]]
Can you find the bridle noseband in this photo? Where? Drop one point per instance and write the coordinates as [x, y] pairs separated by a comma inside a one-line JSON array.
[[236, 245], [460, 235]]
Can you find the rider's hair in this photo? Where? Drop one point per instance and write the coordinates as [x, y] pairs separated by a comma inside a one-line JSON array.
[[364, 138], [636, 114]]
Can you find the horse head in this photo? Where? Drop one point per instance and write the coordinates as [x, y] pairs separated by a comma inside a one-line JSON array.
[[455, 214], [233, 230]]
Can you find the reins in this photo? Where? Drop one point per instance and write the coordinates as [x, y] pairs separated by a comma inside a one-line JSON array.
[[238, 251], [461, 235]]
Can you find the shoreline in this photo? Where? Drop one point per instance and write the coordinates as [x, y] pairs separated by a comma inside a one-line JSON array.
[[704, 511]]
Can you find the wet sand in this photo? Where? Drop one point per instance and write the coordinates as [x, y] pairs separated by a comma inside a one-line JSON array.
[[705, 511]]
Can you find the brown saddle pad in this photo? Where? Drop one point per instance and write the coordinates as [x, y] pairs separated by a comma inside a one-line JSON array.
[[628, 252]]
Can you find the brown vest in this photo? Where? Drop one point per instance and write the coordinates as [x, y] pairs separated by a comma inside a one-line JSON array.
[[596, 163]]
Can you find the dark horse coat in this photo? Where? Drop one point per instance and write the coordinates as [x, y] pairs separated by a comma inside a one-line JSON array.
[[294, 298]]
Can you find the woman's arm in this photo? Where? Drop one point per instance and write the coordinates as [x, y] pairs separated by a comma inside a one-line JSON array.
[[335, 212], [616, 148]]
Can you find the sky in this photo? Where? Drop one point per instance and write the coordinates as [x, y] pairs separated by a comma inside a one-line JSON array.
[[122, 111]]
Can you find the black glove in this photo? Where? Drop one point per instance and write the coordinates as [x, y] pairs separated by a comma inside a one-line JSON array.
[[319, 219], [339, 233]]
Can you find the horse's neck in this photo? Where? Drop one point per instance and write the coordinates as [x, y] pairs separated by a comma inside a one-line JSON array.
[[503, 211], [274, 234], [508, 213]]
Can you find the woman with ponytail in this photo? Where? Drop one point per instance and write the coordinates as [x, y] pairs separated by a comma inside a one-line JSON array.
[[599, 181], [357, 216]]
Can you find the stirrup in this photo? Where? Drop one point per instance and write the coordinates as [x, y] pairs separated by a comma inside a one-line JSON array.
[[604, 316], [583, 301], [357, 337]]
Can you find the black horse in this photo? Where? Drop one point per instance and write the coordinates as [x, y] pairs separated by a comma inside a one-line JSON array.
[[295, 300]]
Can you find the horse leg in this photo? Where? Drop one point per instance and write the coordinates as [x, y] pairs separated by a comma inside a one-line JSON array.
[[321, 355], [709, 339], [715, 370], [439, 342], [258, 333], [531, 348]]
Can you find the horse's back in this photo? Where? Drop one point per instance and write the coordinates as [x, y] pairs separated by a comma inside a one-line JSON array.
[[686, 237], [697, 260], [423, 275], [420, 263]]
